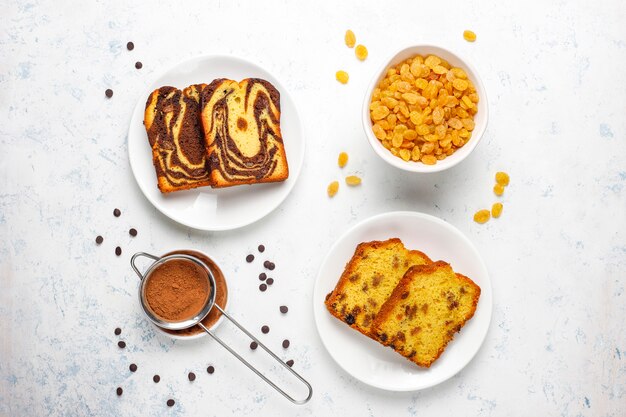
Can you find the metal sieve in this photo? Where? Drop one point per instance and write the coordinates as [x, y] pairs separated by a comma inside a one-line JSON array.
[[197, 319]]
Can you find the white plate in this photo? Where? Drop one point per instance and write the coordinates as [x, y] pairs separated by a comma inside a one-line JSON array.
[[208, 208], [375, 364]]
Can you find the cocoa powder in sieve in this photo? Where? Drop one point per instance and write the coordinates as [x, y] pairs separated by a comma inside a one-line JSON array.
[[177, 290]]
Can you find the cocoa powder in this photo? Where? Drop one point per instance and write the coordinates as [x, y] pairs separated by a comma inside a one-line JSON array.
[[177, 290]]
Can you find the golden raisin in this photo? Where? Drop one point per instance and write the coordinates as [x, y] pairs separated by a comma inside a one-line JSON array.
[[482, 216], [342, 160], [502, 178], [498, 189], [469, 36], [423, 109], [361, 52], [333, 187], [496, 210], [342, 77], [353, 180], [350, 38]]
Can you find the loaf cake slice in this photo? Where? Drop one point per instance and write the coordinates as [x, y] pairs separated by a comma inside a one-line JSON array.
[[241, 123], [172, 121], [430, 304], [369, 279]]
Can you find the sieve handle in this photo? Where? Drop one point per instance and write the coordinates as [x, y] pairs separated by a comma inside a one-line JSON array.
[[252, 368], [138, 254]]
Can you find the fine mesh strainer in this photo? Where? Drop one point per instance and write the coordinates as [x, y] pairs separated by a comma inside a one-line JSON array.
[[206, 309]]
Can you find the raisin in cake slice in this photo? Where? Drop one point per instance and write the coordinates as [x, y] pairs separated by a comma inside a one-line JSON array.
[[241, 124], [369, 279], [430, 304], [172, 121]]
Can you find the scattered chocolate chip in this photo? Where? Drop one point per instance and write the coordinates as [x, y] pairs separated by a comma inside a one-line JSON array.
[[270, 281], [119, 391], [156, 379], [138, 65], [250, 258], [117, 212], [191, 376], [284, 309], [118, 331], [286, 343], [266, 264], [130, 46], [271, 266], [132, 232], [262, 276], [290, 362], [121, 344], [99, 239], [261, 248], [254, 345], [263, 287], [132, 367], [118, 251], [108, 93], [210, 369], [265, 329], [170, 403]]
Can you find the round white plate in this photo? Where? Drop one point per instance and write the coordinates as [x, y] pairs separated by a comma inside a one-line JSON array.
[[371, 362], [209, 208]]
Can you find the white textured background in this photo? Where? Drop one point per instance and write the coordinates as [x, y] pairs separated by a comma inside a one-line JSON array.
[[554, 72]]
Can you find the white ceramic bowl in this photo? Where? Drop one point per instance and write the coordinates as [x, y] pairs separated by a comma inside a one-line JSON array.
[[480, 119]]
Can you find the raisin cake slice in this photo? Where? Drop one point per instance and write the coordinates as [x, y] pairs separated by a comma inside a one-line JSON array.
[[369, 279], [430, 304], [241, 123], [172, 121]]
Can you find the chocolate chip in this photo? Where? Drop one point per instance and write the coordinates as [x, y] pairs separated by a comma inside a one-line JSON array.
[[254, 345], [191, 376], [99, 239], [132, 232], [132, 367], [284, 309], [117, 212], [290, 362], [119, 391], [156, 379], [130, 46], [121, 344], [266, 264], [138, 65], [118, 331], [250, 258], [210, 369], [270, 281], [271, 266], [262, 276], [349, 318], [108, 93], [118, 251], [262, 287], [170, 403], [265, 329], [261, 248], [286, 343]]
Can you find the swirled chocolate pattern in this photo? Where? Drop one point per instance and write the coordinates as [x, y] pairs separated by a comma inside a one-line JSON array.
[[241, 123], [172, 121]]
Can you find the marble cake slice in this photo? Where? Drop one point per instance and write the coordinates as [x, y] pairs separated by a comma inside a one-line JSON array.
[[430, 304], [369, 279], [241, 123], [172, 121]]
